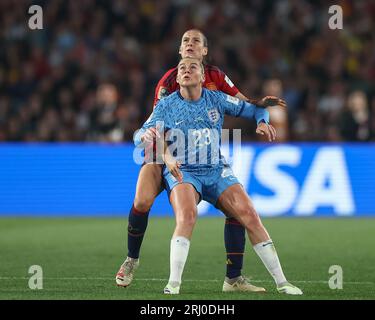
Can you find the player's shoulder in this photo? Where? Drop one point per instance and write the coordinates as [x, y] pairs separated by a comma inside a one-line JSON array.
[[212, 68], [169, 77], [216, 94], [221, 97], [214, 97], [215, 74], [166, 101]]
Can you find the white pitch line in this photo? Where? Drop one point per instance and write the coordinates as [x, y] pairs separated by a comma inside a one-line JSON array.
[[186, 280]]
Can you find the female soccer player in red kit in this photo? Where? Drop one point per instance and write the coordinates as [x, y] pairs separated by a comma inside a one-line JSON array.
[[149, 185]]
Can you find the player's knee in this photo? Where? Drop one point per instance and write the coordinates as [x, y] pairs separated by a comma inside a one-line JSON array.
[[187, 218], [250, 218], [143, 203]]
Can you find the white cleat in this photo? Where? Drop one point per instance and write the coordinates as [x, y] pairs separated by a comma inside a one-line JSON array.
[[241, 284], [288, 288], [171, 290], [126, 272]]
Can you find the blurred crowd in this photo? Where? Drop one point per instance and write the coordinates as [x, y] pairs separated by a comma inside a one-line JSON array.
[[90, 74]]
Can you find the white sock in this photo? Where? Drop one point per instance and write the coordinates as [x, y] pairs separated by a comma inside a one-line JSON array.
[[267, 253], [179, 252]]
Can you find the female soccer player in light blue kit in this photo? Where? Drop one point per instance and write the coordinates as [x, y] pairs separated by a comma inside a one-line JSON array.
[[195, 116]]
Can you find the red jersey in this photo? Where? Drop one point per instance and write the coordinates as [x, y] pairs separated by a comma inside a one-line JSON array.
[[215, 80]]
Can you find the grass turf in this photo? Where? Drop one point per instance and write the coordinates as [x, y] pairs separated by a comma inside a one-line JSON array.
[[80, 257]]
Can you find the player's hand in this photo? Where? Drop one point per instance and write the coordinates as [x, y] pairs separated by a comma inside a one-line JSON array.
[[173, 166], [150, 135], [268, 130], [271, 101]]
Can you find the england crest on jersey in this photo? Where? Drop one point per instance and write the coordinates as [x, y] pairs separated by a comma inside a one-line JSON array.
[[213, 115]]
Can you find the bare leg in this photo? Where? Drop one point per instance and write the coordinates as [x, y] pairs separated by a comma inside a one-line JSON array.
[[149, 186], [235, 202], [184, 201]]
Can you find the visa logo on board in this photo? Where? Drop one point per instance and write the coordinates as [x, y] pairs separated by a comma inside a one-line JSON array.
[[324, 183]]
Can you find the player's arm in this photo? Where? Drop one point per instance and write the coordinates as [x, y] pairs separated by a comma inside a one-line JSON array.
[[228, 87], [267, 101], [239, 108], [162, 90], [151, 128], [171, 163], [240, 96], [146, 134]]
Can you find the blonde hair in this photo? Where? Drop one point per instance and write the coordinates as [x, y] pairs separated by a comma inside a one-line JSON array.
[[196, 59]]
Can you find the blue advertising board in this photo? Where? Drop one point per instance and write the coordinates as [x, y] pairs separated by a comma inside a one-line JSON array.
[[99, 179]]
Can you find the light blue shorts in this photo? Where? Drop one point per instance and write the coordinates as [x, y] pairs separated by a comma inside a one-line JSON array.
[[209, 183]]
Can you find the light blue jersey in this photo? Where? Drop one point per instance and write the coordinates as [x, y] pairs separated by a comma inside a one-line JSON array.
[[194, 132], [194, 127]]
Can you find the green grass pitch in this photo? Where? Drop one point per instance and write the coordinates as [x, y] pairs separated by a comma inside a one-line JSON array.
[[80, 257]]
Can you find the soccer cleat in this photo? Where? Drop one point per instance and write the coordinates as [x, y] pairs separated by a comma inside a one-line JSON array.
[[126, 272], [288, 288], [171, 290], [241, 284]]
